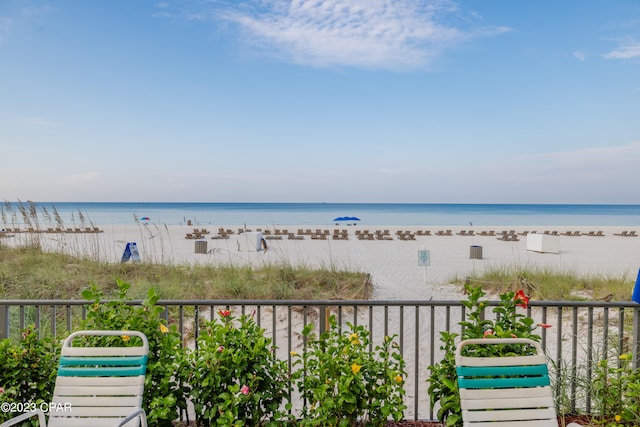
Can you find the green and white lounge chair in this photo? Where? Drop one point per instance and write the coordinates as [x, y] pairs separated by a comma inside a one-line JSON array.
[[96, 386], [510, 391]]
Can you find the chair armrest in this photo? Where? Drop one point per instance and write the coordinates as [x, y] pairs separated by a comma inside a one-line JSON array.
[[25, 416], [138, 413]]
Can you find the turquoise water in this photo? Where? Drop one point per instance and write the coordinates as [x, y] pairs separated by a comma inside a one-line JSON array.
[[371, 214]]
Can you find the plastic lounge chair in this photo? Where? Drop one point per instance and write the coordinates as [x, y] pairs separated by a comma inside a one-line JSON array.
[[510, 391], [97, 386]]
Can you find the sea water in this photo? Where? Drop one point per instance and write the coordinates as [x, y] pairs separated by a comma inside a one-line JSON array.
[[317, 214]]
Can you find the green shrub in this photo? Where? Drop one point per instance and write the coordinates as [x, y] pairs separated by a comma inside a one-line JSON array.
[[616, 391], [342, 381], [236, 379], [165, 391], [28, 373], [443, 380]]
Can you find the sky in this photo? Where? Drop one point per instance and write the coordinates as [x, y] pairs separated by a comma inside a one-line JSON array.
[[407, 101]]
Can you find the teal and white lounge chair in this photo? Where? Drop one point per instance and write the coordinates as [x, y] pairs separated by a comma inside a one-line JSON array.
[[96, 386], [510, 391]]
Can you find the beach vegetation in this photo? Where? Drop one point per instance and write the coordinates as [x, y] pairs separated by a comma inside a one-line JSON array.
[[28, 272], [547, 284], [236, 379], [28, 374], [343, 381], [616, 390]]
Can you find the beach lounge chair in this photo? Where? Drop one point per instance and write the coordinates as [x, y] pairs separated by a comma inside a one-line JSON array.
[[97, 386], [510, 391]]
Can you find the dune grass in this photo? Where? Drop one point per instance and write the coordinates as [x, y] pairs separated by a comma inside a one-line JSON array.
[[552, 285], [30, 273]]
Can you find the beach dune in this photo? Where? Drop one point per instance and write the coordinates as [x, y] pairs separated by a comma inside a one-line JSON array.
[[391, 258]]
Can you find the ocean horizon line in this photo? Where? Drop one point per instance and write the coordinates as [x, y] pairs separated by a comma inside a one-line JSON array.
[[319, 213]]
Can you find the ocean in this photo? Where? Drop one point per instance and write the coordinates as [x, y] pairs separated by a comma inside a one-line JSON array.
[[310, 214]]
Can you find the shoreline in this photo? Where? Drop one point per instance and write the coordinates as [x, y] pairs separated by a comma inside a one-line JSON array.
[[391, 259]]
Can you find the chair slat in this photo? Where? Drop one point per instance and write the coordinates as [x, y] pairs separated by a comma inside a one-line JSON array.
[[74, 402], [65, 392], [529, 423], [101, 371], [99, 381], [510, 382], [506, 393], [512, 415], [520, 370], [102, 351], [92, 422], [97, 412], [521, 402], [103, 361]]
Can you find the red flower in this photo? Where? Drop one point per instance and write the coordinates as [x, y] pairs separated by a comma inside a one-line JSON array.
[[521, 299], [544, 325], [487, 333], [224, 313]]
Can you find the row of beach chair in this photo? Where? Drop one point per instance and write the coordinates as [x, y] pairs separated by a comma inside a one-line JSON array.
[[18, 230], [384, 234]]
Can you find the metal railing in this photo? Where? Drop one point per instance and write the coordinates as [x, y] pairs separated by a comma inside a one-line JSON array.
[[581, 333]]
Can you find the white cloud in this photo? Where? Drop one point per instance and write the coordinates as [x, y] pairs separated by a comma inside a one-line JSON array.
[[628, 49], [600, 157], [38, 122], [80, 180], [5, 28], [580, 55], [390, 34]]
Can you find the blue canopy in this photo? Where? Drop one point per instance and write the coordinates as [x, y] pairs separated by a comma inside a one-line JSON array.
[[347, 218]]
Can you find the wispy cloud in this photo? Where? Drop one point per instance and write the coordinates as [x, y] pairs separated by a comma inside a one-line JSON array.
[[38, 121], [600, 157], [389, 34], [20, 15], [5, 28], [580, 55], [80, 179], [628, 49]]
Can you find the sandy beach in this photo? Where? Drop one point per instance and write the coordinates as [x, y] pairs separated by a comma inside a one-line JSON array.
[[392, 260]]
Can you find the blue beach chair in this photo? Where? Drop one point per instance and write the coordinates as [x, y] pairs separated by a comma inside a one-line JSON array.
[[96, 386], [510, 391]]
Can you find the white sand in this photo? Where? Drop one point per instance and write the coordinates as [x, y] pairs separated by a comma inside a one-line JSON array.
[[393, 264]]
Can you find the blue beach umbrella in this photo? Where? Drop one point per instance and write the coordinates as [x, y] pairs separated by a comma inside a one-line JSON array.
[[346, 218]]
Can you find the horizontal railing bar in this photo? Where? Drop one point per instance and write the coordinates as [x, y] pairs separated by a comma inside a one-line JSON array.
[[376, 303]]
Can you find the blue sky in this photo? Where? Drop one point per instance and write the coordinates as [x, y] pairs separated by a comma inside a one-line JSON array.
[[421, 101]]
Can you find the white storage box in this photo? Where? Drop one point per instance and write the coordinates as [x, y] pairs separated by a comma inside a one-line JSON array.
[[543, 243]]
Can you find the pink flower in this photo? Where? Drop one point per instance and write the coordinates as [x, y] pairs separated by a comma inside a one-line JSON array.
[[224, 313], [244, 390], [1, 390], [521, 299], [487, 333], [544, 325], [220, 349]]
